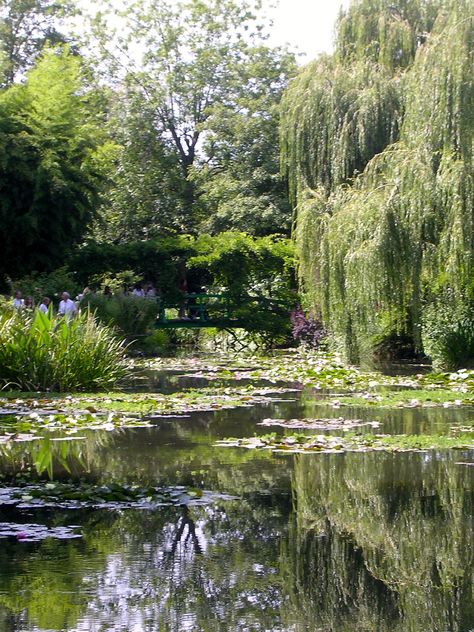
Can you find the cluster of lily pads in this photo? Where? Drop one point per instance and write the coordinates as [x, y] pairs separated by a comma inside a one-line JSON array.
[[318, 370], [120, 410], [428, 398], [27, 532], [330, 444], [66, 495], [71, 496], [338, 423]]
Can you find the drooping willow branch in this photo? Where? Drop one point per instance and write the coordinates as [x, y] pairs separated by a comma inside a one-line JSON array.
[[377, 145]]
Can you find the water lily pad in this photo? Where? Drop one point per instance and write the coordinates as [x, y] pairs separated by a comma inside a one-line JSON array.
[[338, 423], [112, 496], [36, 532]]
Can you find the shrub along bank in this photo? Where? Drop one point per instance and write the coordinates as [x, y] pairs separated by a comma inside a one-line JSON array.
[[38, 353]]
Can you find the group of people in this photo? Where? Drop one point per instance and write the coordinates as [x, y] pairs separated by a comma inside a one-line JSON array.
[[66, 307], [138, 290]]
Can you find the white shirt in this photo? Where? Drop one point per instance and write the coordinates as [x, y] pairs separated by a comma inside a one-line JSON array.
[[43, 308], [67, 307], [139, 293], [18, 303]]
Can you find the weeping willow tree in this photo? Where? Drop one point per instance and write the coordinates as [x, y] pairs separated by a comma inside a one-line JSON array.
[[377, 146]]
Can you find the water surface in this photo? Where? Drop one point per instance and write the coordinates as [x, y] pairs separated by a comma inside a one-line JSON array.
[[372, 542]]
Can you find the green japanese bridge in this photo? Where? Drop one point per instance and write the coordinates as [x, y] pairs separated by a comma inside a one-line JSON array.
[[215, 310]]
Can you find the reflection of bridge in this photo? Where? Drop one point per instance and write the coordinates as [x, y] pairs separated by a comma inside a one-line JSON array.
[[215, 310]]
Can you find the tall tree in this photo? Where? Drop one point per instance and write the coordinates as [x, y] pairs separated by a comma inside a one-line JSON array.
[[198, 62], [241, 183], [143, 198], [25, 27], [378, 149], [52, 157]]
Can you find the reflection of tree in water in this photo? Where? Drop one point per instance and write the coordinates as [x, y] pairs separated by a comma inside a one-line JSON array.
[[381, 543], [45, 456], [185, 540], [208, 568]]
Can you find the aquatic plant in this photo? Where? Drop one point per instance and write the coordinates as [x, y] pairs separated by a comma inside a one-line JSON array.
[[377, 145], [42, 353], [111, 495], [330, 444], [316, 369]]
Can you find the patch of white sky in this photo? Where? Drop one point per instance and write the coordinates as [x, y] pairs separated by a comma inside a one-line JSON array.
[[306, 26]]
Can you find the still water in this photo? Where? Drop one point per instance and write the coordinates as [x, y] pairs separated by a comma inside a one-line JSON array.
[[371, 542]]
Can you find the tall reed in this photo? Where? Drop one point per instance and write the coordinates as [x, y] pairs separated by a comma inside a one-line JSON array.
[[38, 352]]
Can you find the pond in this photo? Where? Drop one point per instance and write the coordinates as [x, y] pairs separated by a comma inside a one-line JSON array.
[[196, 536]]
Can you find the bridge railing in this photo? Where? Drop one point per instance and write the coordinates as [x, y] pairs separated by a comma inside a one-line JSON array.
[[203, 308], [197, 306]]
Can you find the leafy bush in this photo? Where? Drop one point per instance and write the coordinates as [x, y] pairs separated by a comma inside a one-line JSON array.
[[156, 342], [246, 265], [156, 260], [307, 329], [51, 284], [249, 269], [40, 353], [448, 335], [116, 282], [130, 315]]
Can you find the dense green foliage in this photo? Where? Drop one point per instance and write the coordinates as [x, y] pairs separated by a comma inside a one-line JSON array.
[[26, 26], [42, 353], [195, 120], [130, 315], [158, 124], [377, 142], [233, 262], [50, 168]]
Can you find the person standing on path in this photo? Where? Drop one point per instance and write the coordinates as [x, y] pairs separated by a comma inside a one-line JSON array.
[[66, 306], [44, 305], [18, 302]]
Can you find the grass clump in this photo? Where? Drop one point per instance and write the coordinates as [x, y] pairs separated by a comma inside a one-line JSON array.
[[39, 353]]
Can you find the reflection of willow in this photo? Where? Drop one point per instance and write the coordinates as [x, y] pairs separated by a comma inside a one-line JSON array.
[[385, 541], [55, 458]]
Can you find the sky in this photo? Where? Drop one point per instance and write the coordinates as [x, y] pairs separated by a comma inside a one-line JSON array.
[[306, 24]]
